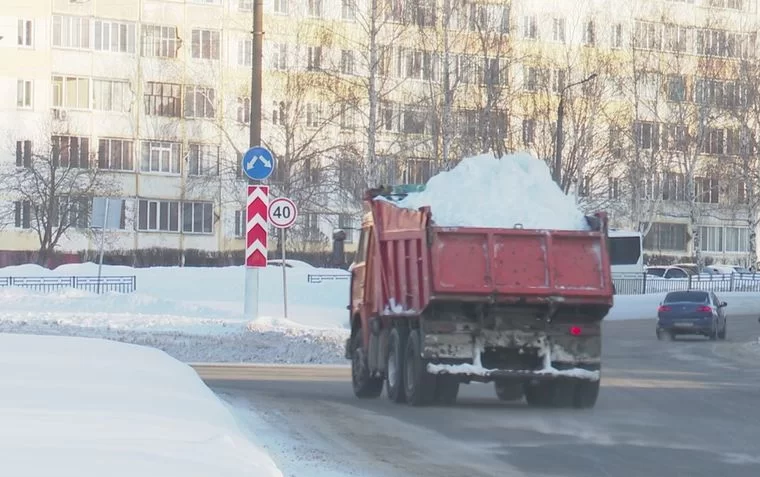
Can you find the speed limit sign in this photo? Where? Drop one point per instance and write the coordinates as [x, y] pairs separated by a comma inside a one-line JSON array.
[[282, 213]]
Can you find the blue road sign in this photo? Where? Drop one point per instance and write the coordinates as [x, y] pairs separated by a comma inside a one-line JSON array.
[[258, 163]]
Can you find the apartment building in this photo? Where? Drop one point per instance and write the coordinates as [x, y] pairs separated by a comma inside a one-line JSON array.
[[155, 95]]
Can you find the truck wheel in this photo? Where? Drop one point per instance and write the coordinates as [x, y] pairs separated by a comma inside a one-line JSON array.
[[538, 395], [365, 386], [508, 391], [418, 383], [394, 375], [446, 390], [586, 393], [556, 393]]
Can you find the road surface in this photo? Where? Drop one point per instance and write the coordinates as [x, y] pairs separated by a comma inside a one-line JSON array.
[[686, 408]]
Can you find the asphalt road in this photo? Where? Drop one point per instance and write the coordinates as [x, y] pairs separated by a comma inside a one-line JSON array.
[[685, 408]]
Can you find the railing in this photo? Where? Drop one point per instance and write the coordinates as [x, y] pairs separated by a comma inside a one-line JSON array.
[[119, 284], [640, 284], [315, 278]]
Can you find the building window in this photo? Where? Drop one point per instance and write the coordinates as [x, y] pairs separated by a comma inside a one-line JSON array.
[[313, 113], [279, 59], [281, 6], [205, 44], [116, 155], [528, 131], [616, 36], [108, 95], [117, 37], [737, 239], [346, 117], [589, 33], [348, 10], [25, 33], [245, 5], [666, 236], [73, 212], [71, 32], [707, 190], [530, 79], [346, 224], [530, 27], [558, 30], [244, 110], [676, 88], [279, 113], [158, 156], [314, 58], [71, 92], [22, 214], [347, 62], [558, 80], [24, 153], [315, 8], [418, 171], [158, 215], [613, 188], [163, 99], [674, 187], [199, 102], [198, 217], [204, 160], [245, 52], [24, 94], [711, 239], [71, 151], [647, 135], [311, 227], [159, 41], [240, 223]]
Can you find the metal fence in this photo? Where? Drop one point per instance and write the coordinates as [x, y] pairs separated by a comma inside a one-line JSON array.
[[119, 284], [640, 284], [315, 278]]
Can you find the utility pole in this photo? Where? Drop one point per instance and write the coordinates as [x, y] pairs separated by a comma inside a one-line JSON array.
[[251, 305], [559, 132]]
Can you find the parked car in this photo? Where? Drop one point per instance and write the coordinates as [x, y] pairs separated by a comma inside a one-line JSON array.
[[667, 272], [693, 312]]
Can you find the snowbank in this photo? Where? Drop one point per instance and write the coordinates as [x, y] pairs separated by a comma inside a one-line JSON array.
[[79, 407], [483, 191]]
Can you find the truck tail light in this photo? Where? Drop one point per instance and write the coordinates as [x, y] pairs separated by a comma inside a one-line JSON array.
[[576, 330]]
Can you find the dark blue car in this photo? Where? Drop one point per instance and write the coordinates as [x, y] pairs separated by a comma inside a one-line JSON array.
[[692, 313]]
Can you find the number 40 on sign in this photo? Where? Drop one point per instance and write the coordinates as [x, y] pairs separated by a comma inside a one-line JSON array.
[[282, 213]]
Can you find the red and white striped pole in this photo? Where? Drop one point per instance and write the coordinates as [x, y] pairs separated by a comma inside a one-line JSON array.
[[256, 234]]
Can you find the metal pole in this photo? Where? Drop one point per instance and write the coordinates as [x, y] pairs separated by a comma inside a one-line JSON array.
[[251, 308], [102, 244], [559, 132], [284, 277]]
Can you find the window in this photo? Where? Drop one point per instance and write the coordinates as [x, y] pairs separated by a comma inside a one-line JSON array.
[[199, 102], [528, 131], [674, 187], [530, 78], [589, 33], [742, 192], [418, 171], [204, 160], [245, 5], [244, 110], [71, 32], [711, 239], [584, 186], [346, 224], [25, 33], [205, 44], [108, 95], [491, 72], [24, 153], [613, 188], [676, 38], [311, 227], [162, 99], [158, 215], [73, 212], [737, 239], [71, 151], [281, 6], [676, 88], [348, 10], [616, 36], [647, 35], [315, 8], [707, 190], [71, 92], [423, 13], [279, 113], [666, 236], [311, 171], [346, 117], [279, 59], [245, 52], [117, 37], [22, 214], [240, 223], [159, 41], [675, 138], [24, 94], [418, 64], [647, 135], [198, 217], [160, 156], [714, 141], [347, 62], [558, 80], [487, 18], [314, 58], [116, 155], [414, 120], [530, 27], [558, 30], [313, 112]]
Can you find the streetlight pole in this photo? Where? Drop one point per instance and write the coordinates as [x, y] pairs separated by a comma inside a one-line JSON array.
[[559, 132]]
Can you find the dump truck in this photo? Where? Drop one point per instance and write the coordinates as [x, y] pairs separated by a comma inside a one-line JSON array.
[[432, 307]]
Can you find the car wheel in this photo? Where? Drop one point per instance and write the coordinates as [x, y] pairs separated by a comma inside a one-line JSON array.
[[660, 335], [722, 334]]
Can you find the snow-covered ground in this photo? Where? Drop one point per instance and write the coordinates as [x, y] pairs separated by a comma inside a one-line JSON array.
[[86, 408], [196, 314]]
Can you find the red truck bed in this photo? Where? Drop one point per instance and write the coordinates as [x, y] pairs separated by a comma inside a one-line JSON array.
[[421, 262]]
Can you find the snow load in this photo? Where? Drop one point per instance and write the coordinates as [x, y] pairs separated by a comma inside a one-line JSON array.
[[483, 191]]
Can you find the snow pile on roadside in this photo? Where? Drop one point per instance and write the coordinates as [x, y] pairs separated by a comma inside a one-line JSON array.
[[72, 406], [483, 191]]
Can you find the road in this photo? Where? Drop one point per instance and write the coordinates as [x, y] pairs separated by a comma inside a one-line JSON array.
[[685, 408]]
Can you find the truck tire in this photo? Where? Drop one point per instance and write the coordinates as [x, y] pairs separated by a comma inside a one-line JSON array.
[[365, 386], [446, 390], [418, 383], [586, 393], [559, 393], [394, 371], [508, 390]]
